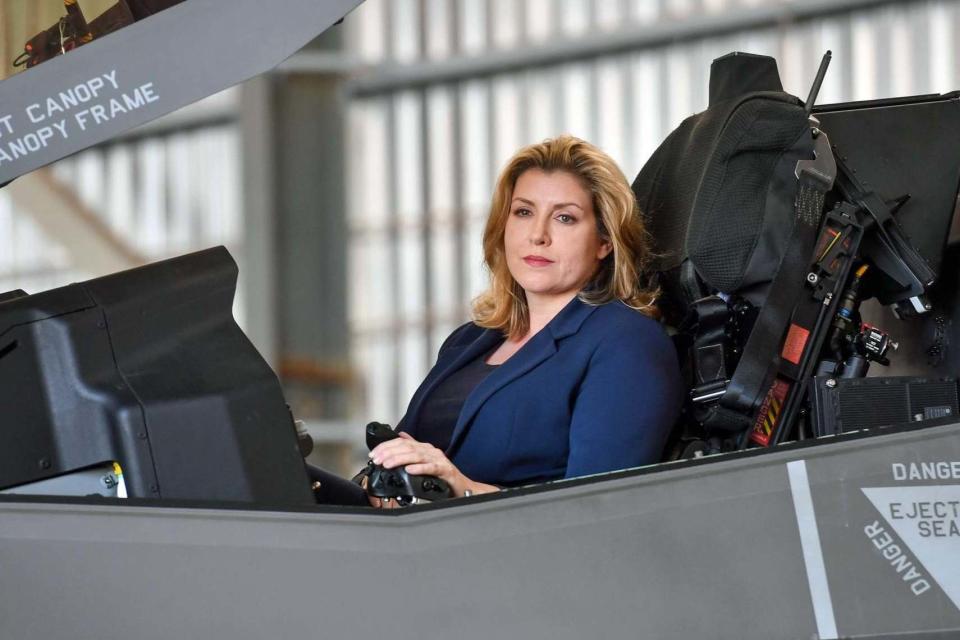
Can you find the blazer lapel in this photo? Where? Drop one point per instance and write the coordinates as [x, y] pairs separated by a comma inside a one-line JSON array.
[[536, 350]]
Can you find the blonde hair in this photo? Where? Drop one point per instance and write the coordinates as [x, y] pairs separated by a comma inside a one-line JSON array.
[[620, 275]]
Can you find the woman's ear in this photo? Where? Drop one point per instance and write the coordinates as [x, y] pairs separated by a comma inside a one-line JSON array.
[[605, 248]]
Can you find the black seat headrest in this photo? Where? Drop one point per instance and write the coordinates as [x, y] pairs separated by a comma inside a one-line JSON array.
[[737, 74]]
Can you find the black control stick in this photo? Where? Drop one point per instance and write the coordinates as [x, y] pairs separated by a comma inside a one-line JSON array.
[[396, 483], [378, 433]]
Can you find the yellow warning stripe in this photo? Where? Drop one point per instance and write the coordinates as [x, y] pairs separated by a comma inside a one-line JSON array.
[[773, 412]]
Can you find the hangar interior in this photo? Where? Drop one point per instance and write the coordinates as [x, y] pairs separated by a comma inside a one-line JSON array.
[[351, 183]]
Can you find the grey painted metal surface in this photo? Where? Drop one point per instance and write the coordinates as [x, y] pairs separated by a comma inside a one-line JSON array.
[[150, 68], [720, 550]]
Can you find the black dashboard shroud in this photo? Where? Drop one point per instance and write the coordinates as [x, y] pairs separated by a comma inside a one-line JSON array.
[[146, 368]]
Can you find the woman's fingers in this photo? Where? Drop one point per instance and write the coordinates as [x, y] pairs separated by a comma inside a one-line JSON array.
[[388, 456], [397, 444], [415, 455], [424, 469], [377, 503], [403, 458], [379, 457]]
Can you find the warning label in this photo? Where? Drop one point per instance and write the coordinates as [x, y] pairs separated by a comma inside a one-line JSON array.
[[87, 105], [795, 343], [769, 412], [927, 520]]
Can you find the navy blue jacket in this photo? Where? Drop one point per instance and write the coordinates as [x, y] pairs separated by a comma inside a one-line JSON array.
[[597, 389]]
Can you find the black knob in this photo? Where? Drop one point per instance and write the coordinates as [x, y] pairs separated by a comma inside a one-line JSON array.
[[378, 433]]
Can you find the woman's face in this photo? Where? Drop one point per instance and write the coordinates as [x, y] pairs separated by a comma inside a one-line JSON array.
[[551, 240]]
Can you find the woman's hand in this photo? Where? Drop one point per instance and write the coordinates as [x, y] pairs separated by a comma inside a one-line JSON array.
[[420, 459]]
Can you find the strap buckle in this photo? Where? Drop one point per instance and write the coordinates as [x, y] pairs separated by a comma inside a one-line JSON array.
[[709, 392], [823, 168]]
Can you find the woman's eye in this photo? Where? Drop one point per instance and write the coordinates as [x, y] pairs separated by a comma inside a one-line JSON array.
[[522, 212], [566, 218]]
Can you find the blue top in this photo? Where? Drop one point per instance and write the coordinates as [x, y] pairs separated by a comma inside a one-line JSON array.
[[597, 389]]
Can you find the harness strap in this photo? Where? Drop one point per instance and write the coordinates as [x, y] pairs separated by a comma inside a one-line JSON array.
[[761, 354]]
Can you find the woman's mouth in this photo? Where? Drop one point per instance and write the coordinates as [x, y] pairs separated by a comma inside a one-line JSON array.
[[537, 261]]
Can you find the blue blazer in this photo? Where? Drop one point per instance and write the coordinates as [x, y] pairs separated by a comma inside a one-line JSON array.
[[597, 389]]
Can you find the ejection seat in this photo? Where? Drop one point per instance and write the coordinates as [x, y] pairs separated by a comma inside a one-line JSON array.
[[718, 197], [736, 200]]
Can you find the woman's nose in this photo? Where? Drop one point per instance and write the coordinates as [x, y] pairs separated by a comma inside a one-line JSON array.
[[539, 234]]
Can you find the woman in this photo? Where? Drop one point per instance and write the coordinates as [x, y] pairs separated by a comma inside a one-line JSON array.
[[563, 371]]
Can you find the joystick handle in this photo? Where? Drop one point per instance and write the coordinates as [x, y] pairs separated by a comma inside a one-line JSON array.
[[397, 483], [378, 433]]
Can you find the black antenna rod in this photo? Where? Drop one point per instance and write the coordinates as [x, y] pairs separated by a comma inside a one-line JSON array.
[[815, 89]]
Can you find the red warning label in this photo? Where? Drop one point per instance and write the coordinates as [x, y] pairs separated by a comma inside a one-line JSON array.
[[795, 343], [769, 413]]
